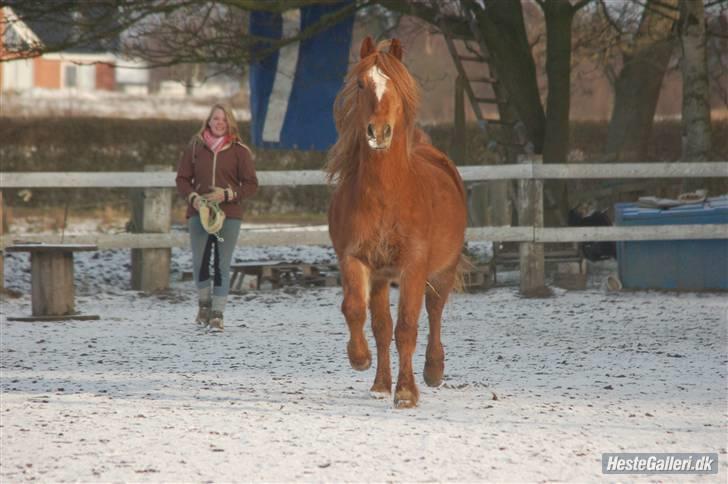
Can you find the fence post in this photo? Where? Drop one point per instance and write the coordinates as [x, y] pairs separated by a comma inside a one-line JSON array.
[[2, 250], [151, 213], [530, 213]]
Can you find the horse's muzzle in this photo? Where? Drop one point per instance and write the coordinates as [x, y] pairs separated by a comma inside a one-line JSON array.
[[379, 138]]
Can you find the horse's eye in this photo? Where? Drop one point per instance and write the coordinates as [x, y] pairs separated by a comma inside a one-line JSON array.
[[360, 83]]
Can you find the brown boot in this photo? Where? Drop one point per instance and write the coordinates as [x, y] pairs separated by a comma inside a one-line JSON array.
[[203, 313], [216, 321]]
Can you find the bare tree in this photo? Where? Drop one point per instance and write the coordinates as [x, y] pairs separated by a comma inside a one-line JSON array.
[[645, 59], [696, 89]]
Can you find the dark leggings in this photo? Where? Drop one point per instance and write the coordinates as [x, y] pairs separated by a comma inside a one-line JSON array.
[[205, 249]]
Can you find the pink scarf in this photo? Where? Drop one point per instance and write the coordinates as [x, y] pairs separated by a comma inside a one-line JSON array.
[[215, 143]]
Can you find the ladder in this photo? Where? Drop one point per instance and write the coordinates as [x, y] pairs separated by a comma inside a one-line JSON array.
[[509, 137]]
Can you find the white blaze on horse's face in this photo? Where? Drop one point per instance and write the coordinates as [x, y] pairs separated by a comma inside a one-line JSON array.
[[380, 81], [379, 135]]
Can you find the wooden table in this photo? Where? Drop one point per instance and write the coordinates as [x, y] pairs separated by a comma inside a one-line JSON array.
[[51, 281], [279, 273]]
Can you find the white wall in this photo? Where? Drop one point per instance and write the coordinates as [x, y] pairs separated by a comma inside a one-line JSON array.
[[77, 76], [17, 75]]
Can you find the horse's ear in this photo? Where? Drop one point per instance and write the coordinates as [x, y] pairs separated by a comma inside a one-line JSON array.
[[395, 48], [367, 47]]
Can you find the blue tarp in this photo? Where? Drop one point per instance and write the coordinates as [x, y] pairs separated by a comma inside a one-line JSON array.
[[292, 91]]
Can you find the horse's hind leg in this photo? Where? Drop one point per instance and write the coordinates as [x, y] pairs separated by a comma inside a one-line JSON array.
[[355, 279], [382, 328], [435, 298]]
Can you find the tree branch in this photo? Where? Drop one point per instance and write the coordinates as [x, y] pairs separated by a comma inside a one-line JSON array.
[[170, 32], [581, 4], [714, 2], [611, 21], [430, 15]]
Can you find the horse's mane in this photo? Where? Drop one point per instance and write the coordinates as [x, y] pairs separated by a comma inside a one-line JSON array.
[[424, 151], [344, 156]]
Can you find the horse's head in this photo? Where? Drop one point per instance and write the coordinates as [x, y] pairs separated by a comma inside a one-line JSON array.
[[375, 109], [386, 94]]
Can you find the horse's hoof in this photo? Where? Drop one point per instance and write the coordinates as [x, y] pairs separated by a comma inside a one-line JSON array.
[[433, 374], [380, 391], [405, 399], [365, 365], [360, 360]]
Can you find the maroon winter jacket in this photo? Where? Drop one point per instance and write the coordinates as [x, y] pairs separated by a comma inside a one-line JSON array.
[[199, 170]]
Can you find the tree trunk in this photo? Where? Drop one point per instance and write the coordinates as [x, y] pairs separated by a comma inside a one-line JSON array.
[[559, 15], [503, 30], [696, 129], [637, 87]]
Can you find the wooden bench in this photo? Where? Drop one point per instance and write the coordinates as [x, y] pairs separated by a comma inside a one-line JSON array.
[[51, 279], [276, 274], [565, 260], [280, 273]]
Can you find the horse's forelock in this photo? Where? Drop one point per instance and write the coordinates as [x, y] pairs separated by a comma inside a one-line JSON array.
[[403, 83]]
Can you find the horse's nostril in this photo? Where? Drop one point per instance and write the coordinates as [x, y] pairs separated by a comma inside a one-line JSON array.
[[370, 131], [387, 131]]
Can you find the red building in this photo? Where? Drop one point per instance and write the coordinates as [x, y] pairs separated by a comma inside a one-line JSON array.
[[83, 68]]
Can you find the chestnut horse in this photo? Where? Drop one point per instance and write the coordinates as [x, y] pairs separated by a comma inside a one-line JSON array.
[[398, 213]]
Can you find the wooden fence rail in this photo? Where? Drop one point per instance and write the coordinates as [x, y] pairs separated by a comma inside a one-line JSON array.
[[319, 236], [129, 179]]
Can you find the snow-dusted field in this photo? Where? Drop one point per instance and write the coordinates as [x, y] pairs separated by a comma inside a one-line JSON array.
[[45, 102], [535, 390]]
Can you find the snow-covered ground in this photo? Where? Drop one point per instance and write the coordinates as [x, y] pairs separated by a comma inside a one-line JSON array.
[[535, 389], [45, 102]]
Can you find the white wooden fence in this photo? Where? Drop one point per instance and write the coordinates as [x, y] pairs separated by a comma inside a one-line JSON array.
[[533, 172], [311, 236]]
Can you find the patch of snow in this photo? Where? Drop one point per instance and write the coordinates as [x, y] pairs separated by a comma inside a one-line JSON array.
[[48, 102]]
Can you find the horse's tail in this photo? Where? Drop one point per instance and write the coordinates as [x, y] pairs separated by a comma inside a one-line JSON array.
[[464, 265]]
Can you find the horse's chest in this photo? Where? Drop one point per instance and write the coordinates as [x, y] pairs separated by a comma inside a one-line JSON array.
[[380, 247]]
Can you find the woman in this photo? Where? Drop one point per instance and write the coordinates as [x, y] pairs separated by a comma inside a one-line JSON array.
[[215, 170]]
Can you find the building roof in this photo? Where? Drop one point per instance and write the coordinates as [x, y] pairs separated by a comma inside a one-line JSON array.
[[52, 24]]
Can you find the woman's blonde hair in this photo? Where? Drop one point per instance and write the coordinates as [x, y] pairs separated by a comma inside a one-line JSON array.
[[232, 124]]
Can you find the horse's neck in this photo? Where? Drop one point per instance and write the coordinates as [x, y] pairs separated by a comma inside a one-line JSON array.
[[387, 171]]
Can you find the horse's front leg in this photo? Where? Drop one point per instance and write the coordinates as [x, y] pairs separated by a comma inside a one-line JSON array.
[[411, 292], [355, 278], [382, 328]]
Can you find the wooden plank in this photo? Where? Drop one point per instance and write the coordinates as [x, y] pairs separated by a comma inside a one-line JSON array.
[[175, 240], [42, 247], [321, 237], [129, 179], [137, 179], [718, 169], [495, 172], [49, 179], [105, 241], [651, 232], [501, 234], [65, 317]]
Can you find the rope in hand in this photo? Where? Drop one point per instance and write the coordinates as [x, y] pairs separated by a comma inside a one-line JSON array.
[[212, 217]]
